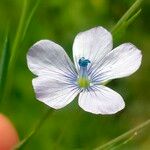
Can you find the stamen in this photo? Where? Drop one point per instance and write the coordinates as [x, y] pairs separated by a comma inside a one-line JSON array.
[[83, 80], [83, 62]]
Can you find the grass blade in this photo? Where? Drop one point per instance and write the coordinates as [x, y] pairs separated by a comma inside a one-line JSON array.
[[4, 65], [18, 37], [22, 28], [14, 51], [30, 17]]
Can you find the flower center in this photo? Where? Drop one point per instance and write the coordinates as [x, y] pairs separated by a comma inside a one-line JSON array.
[[83, 80]]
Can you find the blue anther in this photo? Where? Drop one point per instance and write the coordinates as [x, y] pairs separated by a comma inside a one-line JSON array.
[[83, 62]]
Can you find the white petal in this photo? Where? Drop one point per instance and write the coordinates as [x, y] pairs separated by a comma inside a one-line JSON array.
[[92, 44], [101, 100], [54, 93], [47, 57], [120, 62]]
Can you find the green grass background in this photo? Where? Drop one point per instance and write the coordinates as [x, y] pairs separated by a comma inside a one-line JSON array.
[[71, 127]]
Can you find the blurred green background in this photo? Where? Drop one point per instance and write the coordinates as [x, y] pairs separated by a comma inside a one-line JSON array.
[[71, 127]]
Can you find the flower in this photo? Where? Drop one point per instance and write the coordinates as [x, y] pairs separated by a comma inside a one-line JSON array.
[[59, 81]]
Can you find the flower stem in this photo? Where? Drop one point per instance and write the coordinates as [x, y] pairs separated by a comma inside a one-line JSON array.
[[125, 142], [123, 136], [133, 17], [36, 128], [126, 16]]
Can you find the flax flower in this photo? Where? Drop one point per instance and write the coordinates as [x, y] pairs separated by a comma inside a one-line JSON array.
[[59, 81]]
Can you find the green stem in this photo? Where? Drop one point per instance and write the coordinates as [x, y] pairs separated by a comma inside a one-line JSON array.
[[14, 51], [127, 15], [32, 133], [133, 17], [125, 142], [30, 17], [22, 29], [4, 65], [18, 37], [123, 136]]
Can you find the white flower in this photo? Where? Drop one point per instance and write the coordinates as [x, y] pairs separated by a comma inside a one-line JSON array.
[[59, 81]]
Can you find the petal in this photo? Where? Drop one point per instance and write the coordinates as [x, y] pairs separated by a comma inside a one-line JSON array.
[[92, 44], [120, 62], [101, 100], [54, 93], [47, 57]]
